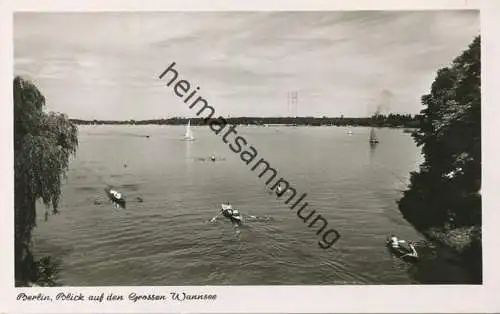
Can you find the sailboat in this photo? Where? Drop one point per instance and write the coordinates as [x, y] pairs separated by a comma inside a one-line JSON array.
[[373, 137], [189, 134]]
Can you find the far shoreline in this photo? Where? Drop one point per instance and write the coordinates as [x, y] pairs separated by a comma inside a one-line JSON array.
[[406, 121]]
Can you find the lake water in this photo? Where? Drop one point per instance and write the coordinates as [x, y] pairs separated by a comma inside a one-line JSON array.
[[167, 239]]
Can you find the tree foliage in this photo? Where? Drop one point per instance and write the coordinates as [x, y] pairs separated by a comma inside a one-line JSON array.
[[43, 144], [446, 189], [445, 193]]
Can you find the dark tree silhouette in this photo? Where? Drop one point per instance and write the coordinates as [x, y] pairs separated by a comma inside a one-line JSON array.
[[43, 144], [445, 192]]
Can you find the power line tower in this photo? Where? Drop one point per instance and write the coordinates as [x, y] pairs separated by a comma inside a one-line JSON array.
[[293, 103]]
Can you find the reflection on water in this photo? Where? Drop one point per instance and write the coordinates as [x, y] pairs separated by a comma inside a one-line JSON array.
[[373, 147], [166, 238]]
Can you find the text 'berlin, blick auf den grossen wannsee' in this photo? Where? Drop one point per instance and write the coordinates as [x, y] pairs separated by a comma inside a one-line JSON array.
[[248, 153]]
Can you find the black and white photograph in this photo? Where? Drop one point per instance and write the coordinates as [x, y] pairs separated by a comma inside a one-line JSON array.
[[247, 148], [210, 149]]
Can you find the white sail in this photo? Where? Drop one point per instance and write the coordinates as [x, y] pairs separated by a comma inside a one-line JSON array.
[[373, 137], [189, 134]]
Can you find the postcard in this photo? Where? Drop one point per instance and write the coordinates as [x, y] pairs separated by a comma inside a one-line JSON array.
[[232, 157]]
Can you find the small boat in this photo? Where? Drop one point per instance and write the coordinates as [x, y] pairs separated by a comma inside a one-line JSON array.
[[233, 214], [279, 190], [116, 197], [188, 136], [401, 251], [373, 137]]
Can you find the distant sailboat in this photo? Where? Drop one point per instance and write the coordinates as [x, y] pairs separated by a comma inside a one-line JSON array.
[[373, 137], [189, 134]]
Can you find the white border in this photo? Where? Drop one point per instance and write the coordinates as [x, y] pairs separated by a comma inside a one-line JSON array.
[[272, 299]]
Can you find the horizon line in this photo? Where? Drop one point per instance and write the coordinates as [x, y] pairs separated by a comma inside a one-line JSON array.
[[412, 115]]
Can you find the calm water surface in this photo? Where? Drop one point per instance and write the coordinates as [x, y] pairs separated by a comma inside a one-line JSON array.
[[167, 240]]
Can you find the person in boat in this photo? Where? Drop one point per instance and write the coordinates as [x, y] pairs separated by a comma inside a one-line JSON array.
[[394, 241], [227, 210], [233, 214], [115, 194]]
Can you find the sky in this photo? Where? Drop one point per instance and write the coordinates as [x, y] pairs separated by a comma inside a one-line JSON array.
[[107, 65]]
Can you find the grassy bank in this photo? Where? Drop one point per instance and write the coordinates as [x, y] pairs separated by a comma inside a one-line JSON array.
[[465, 242]]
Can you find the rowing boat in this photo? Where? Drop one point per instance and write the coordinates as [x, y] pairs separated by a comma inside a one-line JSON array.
[[115, 197], [403, 250]]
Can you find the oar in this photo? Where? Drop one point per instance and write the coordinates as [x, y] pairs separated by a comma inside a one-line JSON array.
[[266, 218], [213, 219]]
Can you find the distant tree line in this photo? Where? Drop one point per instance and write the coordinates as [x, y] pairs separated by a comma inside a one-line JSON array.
[[379, 120]]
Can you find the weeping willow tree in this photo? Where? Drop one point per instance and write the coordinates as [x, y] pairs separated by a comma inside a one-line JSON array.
[[43, 144]]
